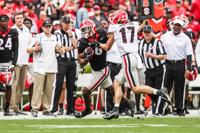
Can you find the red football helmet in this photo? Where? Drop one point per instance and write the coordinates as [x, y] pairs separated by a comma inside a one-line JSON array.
[[88, 28], [28, 81], [5, 77], [192, 75], [120, 17]]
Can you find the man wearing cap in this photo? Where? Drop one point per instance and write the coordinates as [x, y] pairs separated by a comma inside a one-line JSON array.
[[8, 54], [66, 64], [44, 48], [153, 55], [97, 18], [178, 48]]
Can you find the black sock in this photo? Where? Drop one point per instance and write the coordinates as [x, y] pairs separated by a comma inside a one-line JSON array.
[[61, 106], [116, 109], [6, 106], [87, 101]]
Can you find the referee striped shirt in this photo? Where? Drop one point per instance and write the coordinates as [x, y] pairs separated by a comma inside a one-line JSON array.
[[63, 39], [155, 46]]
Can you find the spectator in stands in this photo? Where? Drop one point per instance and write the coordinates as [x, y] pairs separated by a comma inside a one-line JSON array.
[[44, 48], [42, 18], [19, 6], [8, 7], [50, 10], [30, 13], [56, 25], [21, 67], [8, 54], [97, 18], [195, 9], [83, 12], [178, 10]]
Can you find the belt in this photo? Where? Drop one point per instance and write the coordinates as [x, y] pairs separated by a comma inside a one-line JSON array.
[[66, 59], [156, 68], [115, 64], [174, 61]]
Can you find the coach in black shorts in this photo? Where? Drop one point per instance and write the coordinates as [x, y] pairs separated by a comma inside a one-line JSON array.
[[153, 56]]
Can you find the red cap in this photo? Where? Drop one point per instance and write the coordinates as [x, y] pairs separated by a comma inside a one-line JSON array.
[[96, 7]]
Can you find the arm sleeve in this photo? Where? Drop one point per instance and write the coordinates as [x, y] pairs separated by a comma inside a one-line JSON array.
[[15, 43], [189, 62], [197, 53]]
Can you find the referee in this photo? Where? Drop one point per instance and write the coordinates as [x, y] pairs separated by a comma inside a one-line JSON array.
[[179, 48], [153, 56], [66, 65]]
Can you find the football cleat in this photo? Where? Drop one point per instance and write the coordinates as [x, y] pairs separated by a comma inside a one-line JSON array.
[[34, 113], [111, 115], [82, 113], [164, 96], [132, 107]]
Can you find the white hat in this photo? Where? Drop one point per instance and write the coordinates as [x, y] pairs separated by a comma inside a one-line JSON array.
[[178, 21], [55, 22]]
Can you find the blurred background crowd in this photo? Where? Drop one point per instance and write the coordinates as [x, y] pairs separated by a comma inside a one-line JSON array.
[[98, 10]]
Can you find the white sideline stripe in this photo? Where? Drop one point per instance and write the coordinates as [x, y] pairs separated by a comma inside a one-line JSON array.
[[107, 126]]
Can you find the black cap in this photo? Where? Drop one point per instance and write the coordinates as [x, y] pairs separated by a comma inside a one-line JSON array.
[[9, 1], [47, 23], [65, 19], [178, 1], [147, 28], [4, 18]]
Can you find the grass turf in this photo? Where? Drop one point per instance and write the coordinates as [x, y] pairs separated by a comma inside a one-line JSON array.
[[126, 125]]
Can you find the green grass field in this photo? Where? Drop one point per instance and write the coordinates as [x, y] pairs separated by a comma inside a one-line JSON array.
[[125, 125]]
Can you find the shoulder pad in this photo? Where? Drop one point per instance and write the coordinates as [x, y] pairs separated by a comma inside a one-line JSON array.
[[83, 41], [13, 32]]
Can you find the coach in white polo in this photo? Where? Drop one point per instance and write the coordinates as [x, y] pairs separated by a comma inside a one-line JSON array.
[[178, 47], [44, 48]]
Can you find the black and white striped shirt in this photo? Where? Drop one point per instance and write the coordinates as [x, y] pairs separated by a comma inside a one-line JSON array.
[[63, 39], [155, 47]]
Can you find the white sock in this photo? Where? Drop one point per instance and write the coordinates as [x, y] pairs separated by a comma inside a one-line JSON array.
[[116, 104]]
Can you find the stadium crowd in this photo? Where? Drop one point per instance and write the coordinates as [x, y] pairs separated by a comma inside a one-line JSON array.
[[50, 40]]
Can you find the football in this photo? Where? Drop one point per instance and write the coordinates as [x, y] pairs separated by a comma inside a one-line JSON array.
[[88, 53]]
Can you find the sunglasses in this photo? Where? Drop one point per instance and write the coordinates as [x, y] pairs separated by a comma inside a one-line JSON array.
[[48, 26], [147, 32]]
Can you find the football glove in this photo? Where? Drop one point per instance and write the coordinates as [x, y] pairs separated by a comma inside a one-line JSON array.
[[88, 53]]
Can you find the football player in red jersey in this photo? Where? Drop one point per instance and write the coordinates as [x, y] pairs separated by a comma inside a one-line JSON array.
[[8, 54], [89, 51]]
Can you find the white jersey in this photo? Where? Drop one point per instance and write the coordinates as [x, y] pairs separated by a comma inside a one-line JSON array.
[[125, 37]]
